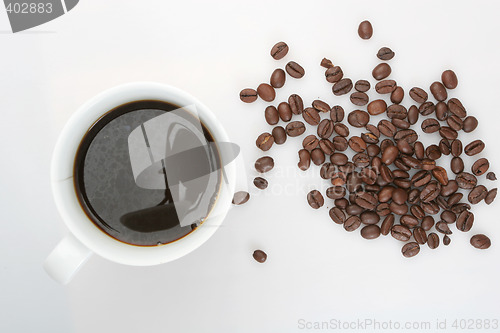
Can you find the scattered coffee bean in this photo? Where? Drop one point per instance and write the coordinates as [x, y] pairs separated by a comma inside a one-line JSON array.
[[427, 223], [317, 156], [296, 104], [265, 141], [266, 92], [439, 91], [465, 221], [381, 71], [385, 53], [433, 240], [362, 85], [474, 148], [284, 111], [315, 199], [456, 148], [491, 176], [442, 111], [248, 95], [385, 86], [449, 79], [342, 87], [480, 241], [418, 95], [337, 215], [410, 250], [334, 74], [457, 165], [337, 113], [387, 224], [480, 166], [358, 118], [327, 63], [240, 197], [359, 98], [420, 235], [279, 50], [295, 128], [376, 107], [278, 78], [310, 142], [259, 256], [279, 135], [311, 116], [477, 194], [271, 115], [321, 106], [470, 124], [455, 122], [260, 183], [397, 95], [456, 107], [370, 231], [295, 70], [341, 130], [352, 223], [264, 164], [490, 197], [443, 228], [401, 233], [304, 159], [365, 30], [430, 125], [466, 181]]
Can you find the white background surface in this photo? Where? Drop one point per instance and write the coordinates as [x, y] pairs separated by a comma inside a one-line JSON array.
[[315, 271]]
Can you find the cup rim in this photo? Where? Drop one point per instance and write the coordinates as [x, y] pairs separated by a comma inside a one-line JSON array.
[[66, 199]]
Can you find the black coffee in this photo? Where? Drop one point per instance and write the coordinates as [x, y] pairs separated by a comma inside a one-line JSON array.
[[139, 170]]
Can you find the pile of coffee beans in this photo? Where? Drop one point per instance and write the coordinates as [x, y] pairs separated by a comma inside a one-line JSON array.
[[393, 184]]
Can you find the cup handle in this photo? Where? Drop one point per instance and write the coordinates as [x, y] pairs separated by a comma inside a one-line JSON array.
[[66, 259]]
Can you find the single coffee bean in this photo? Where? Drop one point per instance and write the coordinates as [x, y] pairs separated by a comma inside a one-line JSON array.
[[266, 92], [259, 256], [361, 160], [341, 129], [352, 223], [448, 216], [456, 107], [311, 116], [421, 178], [408, 221], [376, 107], [409, 135], [454, 198], [386, 174], [327, 146], [477, 194], [397, 95], [340, 143], [400, 174], [414, 196], [480, 241], [264, 164], [419, 150], [366, 200], [335, 192], [490, 197], [304, 159], [260, 183], [454, 122], [248, 95], [491, 176], [387, 224], [457, 165], [385, 53], [439, 91], [430, 191], [442, 203], [427, 223], [358, 118], [357, 144], [315, 199], [448, 133], [317, 156], [420, 235], [446, 240], [342, 87], [240, 197], [381, 71], [433, 240], [450, 188], [396, 111], [338, 179], [441, 175], [341, 203], [426, 108], [295, 128], [326, 172], [399, 196], [387, 128], [296, 104], [369, 217], [337, 113], [418, 95], [413, 115], [370, 138], [278, 78], [474, 148], [295, 70], [400, 123], [320, 106], [410, 250], [449, 79], [443, 228], [389, 155], [325, 129], [442, 111], [354, 210], [284, 111], [460, 207], [362, 85], [271, 115], [430, 125], [279, 135], [480, 166], [310, 142], [433, 152], [465, 221], [264, 141], [456, 148], [279, 50], [385, 86], [370, 231], [338, 159], [334, 74], [385, 193], [470, 124], [337, 215], [359, 98], [327, 63], [365, 30]]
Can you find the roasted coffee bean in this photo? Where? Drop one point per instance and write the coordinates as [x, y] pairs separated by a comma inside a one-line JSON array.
[[265, 141], [337, 113], [387, 128], [354, 210], [408, 221], [427, 223], [398, 209], [361, 160], [373, 130], [385, 53], [311, 116], [466, 180], [387, 224], [389, 155], [490, 197], [441, 175], [455, 198], [426, 108], [341, 129], [335, 192], [340, 143], [474, 148], [433, 152], [357, 144], [457, 165], [337, 215], [397, 95], [310, 142], [358, 118], [417, 211], [454, 122], [359, 98], [362, 85], [427, 164], [443, 228], [368, 176], [369, 217], [315, 199], [491, 176], [382, 209], [376, 107], [385, 86], [470, 124], [279, 50], [441, 111], [439, 91], [325, 129], [480, 166], [430, 191], [279, 135], [240, 197], [386, 173], [477, 194], [320, 106], [449, 79], [326, 146], [396, 111], [296, 104], [448, 216], [418, 95], [352, 223], [419, 150], [342, 87], [260, 183], [413, 115], [338, 159], [399, 196], [278, 78], [266, 92], [338, 179], [448, 133], [326, 172], [317, 156], [421, 178], [381, 71], [365, 30], [456, 148], [295, 70], [304, 159], [370, 138], [400, 123], [446, 240], [433, 240], [284, 111], [420, 235], [400, 165], [327, 63], [465, 221], [370, 231], [366, 200], [442, 203], [460, 207], [334, 74], [248, 95], [264, 164], [271, 115], [385, 193], [341, 203], [409, 135], [456, 107], [259, 256], [480, 241], [400, 174], [410, 250], [295, 128], [430, 125]]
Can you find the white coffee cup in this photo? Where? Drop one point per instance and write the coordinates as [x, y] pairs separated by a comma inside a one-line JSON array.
[[85, 237]]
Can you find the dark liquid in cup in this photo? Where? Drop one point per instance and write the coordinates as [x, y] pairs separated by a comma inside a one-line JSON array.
[[128, 192]]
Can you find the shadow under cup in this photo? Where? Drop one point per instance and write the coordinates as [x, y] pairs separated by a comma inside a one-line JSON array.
[[148, 172]]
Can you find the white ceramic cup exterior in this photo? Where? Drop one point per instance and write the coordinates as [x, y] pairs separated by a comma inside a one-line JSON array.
[[85, 237]]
